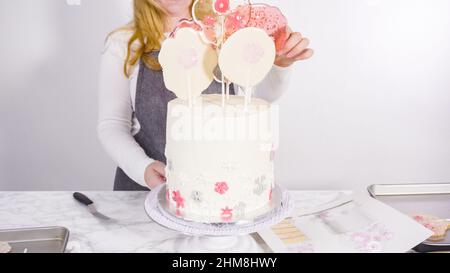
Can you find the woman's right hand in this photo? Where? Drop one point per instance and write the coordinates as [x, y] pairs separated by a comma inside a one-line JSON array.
[[155, 174]]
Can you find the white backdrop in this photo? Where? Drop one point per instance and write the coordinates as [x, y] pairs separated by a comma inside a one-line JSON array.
[[372, 106]]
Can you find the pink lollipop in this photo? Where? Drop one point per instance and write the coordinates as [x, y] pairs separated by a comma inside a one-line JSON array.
[[209, 14], [261, 16], [185, 23]]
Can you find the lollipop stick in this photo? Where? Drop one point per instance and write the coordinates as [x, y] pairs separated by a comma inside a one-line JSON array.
[[190, 92], [247, 94], [245, 99], [225, 84], [248, 91], [223, 91]]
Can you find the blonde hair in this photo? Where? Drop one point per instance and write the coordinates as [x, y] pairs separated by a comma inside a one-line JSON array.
[[148, 31]]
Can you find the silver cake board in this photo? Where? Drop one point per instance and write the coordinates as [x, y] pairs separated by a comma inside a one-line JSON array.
[[217, 237]]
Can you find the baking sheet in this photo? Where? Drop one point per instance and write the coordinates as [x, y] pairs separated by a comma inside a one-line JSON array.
[[430, 199], [36, 240]]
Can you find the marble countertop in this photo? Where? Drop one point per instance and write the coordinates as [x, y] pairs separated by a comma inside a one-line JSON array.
[[133, 232]]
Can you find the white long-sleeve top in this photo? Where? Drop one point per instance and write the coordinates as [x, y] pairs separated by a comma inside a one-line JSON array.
[[117, 124]]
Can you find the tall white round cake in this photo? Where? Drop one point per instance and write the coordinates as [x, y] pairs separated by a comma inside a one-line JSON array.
[[219, 159]]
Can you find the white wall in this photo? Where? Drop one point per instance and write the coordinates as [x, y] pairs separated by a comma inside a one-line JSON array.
[[372, 106], [48, 110]]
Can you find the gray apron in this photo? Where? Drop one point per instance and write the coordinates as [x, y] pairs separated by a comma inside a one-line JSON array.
[[151, 111]]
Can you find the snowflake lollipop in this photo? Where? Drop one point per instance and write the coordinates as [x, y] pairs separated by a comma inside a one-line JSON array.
[[247, 57], [188, 64]]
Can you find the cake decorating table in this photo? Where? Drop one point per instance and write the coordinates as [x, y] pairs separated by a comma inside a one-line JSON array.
[[132, 231]]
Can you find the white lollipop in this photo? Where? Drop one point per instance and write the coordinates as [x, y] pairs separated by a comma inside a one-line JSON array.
[[188, 64], [247, 56]]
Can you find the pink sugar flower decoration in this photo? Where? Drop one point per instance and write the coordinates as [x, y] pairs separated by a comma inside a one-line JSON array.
[[188, 58], [221, 187], [177, 198], [253, 53], [222, 6], [227, 214]]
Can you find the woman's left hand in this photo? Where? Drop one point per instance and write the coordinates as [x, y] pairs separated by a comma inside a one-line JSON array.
[[296, 49]]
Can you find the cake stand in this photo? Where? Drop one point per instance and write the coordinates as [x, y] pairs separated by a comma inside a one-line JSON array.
[[217, 237]]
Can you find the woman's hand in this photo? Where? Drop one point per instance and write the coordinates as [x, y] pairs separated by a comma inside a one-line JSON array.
[[296, 49], [155, 174]]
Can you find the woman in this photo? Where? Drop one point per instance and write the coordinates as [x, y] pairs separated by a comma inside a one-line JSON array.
[[133, 99]]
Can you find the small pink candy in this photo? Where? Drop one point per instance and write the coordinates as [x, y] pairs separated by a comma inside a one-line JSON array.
[[188, 58], [222, 6], [253, 53]]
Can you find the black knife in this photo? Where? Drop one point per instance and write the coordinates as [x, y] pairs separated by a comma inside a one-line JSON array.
[[83, 199]]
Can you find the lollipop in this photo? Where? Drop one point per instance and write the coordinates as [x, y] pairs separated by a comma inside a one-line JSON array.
[[211, 15], [246, 58], [188, 64], [265, 17], [185, 23], [246, 38]]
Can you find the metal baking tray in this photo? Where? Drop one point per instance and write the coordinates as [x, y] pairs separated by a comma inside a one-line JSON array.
[[431, 199], [36, 240]]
